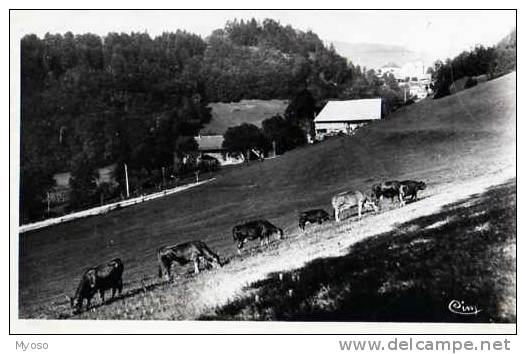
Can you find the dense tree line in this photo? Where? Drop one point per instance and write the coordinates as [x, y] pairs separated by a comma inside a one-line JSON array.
[[88, 101], [492, 61]]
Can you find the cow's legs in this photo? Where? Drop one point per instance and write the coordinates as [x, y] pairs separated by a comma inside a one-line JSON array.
[[336, 215], [166, 269], [401, 198], [101, 292], [359, 210], [196, 265]]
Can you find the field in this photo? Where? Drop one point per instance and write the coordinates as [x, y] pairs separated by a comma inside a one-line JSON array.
[[463, 146], [225, 115]]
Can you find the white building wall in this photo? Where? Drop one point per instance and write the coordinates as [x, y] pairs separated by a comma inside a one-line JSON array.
[[225, 159], [324, 129]]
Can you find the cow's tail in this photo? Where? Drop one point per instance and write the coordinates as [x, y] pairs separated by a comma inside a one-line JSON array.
[[160, 262]]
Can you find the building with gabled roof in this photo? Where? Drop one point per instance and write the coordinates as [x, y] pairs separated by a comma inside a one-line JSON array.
[[212, 145], [346, 116]]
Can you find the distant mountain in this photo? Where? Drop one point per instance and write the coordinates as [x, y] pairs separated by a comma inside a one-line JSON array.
[[375, 55]]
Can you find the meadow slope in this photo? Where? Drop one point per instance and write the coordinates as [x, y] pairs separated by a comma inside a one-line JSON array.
[[460, 145]]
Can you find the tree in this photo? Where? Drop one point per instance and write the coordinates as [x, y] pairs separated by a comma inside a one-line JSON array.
[[301, 111], [83, 182], [283, 133], [35, 182], [241, 139]]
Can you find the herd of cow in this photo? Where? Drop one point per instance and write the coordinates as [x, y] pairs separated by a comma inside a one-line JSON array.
[[108, 275]]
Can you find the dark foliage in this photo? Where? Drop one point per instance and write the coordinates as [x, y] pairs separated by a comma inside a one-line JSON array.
[[491, 61], [241, 139], [83, 182], [283, 133], [124, 97]]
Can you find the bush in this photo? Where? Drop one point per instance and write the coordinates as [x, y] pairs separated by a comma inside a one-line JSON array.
[[241, 139], [470, 82]]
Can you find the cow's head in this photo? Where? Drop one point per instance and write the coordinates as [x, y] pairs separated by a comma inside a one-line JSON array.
[[74, 303], [216, 261], [421, 185], [279, 233]]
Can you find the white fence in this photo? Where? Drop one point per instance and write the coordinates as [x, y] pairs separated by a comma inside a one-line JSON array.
[[105, 208]]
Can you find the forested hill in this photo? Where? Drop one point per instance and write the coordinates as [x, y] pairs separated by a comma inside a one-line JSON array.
[[267, 60], [88, 100]]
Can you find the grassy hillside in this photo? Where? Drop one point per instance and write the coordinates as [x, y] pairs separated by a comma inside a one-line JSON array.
[[225, 115], [454, 139]]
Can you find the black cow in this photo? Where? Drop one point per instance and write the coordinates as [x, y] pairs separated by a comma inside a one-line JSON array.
[[183, 253], [252, 230], [410, 188], [312, 216], [389, 189], [103, 277]]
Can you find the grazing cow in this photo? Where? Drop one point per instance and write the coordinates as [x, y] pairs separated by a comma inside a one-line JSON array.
[[347, 200], [183, 253], [100, 278], [252, 230], [411, 188], [389, 189], [312, 216]]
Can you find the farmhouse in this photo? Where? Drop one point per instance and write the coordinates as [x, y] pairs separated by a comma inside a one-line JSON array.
[[212, 145], [345, 116]]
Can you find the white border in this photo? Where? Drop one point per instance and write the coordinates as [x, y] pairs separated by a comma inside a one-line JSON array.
[[129, 327]]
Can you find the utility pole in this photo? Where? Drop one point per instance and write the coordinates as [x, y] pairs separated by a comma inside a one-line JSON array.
[[164, 181], [127, 183]]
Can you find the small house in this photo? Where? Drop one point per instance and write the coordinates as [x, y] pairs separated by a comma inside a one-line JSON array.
[[212, 145]]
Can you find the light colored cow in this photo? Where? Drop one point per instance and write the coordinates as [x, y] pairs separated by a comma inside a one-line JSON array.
[[349, 199]]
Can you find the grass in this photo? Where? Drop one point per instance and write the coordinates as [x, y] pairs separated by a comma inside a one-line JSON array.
[[408, 274], [443, 142], [225, 115]]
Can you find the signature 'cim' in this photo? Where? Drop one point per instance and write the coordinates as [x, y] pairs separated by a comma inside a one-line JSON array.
[[460, 308]]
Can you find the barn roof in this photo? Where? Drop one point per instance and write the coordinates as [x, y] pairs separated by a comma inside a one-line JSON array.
[[353, 110], [209, 142]]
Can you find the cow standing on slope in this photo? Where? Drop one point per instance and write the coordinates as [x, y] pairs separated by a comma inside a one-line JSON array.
[[347, 200], [312, 216], [410, 189], [183, 253], [252, 230], [389, 189], [99, 278]]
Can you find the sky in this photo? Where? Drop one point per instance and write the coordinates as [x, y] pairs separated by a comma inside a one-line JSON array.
[[435, 34]]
